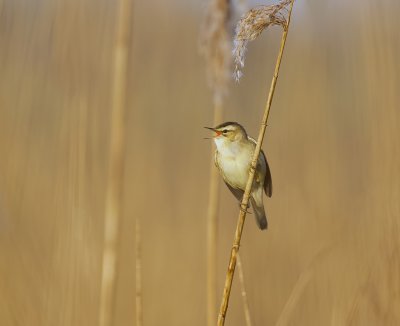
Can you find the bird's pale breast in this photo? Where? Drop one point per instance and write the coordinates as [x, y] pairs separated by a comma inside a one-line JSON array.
[[234, 164], [234, 159]]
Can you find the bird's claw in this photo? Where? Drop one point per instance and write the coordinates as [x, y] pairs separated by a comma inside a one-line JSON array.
[[244, 209]]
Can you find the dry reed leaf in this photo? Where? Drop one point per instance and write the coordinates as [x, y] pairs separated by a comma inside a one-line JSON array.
[[252, 24]]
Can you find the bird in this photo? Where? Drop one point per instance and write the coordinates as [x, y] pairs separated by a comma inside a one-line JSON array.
[[233, 156]]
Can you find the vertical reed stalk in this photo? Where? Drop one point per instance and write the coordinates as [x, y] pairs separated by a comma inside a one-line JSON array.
[[115, 165], [245, 200], [212, 223], [215, 47], [243, 291], [294, 297], [138, 280], [300, 286]]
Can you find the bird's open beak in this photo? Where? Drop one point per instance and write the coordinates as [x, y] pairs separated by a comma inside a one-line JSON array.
[[217, 132]]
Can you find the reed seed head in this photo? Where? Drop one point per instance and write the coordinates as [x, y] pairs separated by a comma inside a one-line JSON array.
[[252, 24]]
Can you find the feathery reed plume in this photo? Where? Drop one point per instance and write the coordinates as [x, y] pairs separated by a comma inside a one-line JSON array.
[[251, 25], [246, 195], [115, 166], [215, 47], [243, 291]]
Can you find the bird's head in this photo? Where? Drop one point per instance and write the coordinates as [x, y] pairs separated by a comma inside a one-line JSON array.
[[228, 132]]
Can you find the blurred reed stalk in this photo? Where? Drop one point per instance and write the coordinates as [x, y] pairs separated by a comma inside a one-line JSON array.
[[115, 165], [138, 280], [294, 298], [215, 47], [212, 228], [246, 309], [249, 27], [302, 282]]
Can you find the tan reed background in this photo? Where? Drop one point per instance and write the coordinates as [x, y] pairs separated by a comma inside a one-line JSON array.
[[331, 255]]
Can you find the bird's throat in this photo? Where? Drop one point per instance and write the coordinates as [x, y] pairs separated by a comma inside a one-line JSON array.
[[228, 148]]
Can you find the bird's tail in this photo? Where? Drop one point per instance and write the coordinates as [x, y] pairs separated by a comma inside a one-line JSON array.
[[256, 201]]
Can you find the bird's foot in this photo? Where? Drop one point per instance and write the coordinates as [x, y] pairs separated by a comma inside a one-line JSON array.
[[244, 209]]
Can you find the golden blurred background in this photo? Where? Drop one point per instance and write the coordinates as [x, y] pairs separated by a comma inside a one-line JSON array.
[[331, 255]]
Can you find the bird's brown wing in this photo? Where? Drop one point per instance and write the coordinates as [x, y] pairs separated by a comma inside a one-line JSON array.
[[268, 178]]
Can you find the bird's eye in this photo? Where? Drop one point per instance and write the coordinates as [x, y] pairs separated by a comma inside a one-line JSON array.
[[224, 131]]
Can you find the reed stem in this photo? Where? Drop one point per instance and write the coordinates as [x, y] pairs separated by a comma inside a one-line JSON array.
[[138, 280], [115, 166], [243, 291], [246, 196], [213, 201]]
